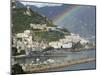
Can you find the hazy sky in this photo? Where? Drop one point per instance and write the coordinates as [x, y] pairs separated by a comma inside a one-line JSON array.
[[39, 5]]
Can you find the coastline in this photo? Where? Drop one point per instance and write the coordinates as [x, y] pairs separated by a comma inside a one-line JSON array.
[[69, 50], [58, 65], [90, 48], [77, 49]]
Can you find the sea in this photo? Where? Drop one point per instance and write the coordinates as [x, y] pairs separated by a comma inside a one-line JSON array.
[[67, 56]]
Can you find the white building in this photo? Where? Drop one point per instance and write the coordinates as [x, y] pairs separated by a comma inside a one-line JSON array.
[[20, 35], [38, 26], [67, 45], [55, 44], [23, 41], [83, 41], [50, 60], [68, 41], [51, 28], [60, 45]]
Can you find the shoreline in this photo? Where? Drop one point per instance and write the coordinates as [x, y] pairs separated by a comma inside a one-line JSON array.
[[45, 68], [83, 49], [69, 50], [78, 49]]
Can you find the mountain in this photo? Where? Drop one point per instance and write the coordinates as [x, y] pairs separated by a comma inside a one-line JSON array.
[[82, 22], [23, 17], [48, 11]]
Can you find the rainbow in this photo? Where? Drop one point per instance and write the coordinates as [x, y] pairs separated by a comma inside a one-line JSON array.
[[67, 12]]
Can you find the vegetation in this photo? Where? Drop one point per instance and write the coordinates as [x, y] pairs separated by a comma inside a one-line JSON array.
[[66, 31], [48, 48], [77, 45], [15, 51], [22, 21], [49, 35], [17, 69]]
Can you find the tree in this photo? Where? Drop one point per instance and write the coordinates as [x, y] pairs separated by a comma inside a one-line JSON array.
[[77, 45], [17, 69], [14, 51]]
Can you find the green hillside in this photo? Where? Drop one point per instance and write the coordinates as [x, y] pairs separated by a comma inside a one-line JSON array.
[[23, 17], [49, 36], [21, 21]]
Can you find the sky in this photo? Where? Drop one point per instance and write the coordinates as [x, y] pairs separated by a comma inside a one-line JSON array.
[[39, 5]]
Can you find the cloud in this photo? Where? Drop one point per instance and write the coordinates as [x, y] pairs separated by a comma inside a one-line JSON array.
[[39, 5]]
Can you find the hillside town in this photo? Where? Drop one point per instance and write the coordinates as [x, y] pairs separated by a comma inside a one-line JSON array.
[[24, 41]]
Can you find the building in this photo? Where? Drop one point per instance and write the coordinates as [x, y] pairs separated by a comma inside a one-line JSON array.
[[38, 26], [67, 45], [23, 41], [51, 29], [68, 41], [58, 44]]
